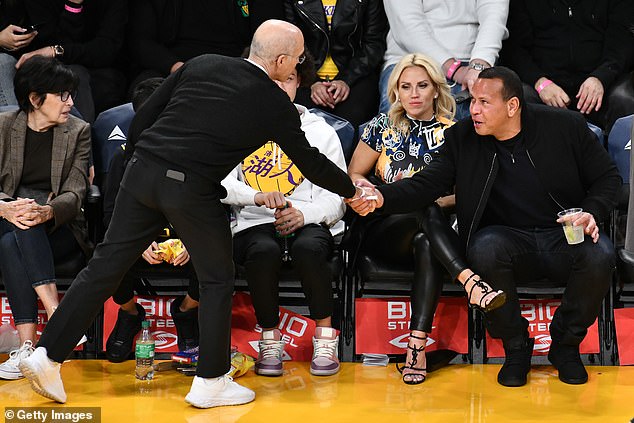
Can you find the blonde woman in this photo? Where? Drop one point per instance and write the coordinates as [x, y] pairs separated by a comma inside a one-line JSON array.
[[396, 145]]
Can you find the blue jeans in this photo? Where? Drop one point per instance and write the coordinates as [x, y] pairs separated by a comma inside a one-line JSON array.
[[462, 110], [7, 72], [506, 257], [27, 261]]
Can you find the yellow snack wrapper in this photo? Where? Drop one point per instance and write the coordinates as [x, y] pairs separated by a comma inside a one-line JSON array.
[[240, 364], [170, 249]]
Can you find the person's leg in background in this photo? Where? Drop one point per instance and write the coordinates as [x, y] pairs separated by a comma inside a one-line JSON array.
[[184, 311], [129, 317], [620, 100], [7, 72], [384, 103]]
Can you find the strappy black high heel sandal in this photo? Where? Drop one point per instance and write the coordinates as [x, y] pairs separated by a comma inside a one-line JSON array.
[[498, 298], [414, 378]]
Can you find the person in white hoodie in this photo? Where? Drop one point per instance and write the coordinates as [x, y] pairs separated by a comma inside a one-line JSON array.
[[463, 37], [301, 230]]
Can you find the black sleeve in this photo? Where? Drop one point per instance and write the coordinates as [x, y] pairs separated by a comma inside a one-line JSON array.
[[106, 23], [516, 49], [151, 109], [146, 49], [424, 187], [618, 45], [315, 166], [373, 44]]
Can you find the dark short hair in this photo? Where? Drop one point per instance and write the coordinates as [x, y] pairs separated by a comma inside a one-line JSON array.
[[511, 82], [305, 71], [143, 90], [42, 75]]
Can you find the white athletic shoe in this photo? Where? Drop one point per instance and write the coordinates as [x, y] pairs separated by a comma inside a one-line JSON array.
[[44, 375], [9, 369], [217, 391]]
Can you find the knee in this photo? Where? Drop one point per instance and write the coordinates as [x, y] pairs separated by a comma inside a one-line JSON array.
[[599, 257], [312, 251], [260, 252], [487, 246]]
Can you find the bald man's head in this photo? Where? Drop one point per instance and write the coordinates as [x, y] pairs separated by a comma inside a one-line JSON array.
[[274, 38]]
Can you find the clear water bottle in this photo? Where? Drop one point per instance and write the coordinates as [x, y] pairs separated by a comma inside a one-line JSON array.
[[144, 353]]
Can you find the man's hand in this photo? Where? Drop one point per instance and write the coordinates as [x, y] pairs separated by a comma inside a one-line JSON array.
[[44, 51], [553, 94], [366, 198], [586, 220], [288, 219], [320, 95], [271, 200], [150, 256], [339, 90], [12, 38], [590, 95]]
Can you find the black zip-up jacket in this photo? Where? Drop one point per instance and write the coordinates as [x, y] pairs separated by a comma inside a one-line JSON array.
[[155, 25], [356, 40], [572, 165], [569, 40]]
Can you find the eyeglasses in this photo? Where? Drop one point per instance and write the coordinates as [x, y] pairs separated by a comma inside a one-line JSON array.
[[300, 58], [65, 95]]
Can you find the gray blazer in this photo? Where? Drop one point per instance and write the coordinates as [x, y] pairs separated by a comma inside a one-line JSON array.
[[69, 176]]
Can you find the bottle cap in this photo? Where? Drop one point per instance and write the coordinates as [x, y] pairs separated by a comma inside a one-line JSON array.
[[145, 324]]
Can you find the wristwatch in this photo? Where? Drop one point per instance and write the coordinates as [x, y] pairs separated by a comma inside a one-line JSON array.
[[59, 50], [477, 66]]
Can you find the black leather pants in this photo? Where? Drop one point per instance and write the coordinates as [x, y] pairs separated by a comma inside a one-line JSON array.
[[426, 240]]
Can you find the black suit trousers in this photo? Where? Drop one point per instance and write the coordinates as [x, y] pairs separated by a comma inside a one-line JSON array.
[[146, 202]]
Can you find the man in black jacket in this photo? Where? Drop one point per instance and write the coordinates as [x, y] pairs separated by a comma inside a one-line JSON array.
[[574, 54], [197, 126], [514, 167]]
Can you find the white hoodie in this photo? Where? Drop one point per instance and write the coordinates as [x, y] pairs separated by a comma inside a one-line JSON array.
[[316, 204]]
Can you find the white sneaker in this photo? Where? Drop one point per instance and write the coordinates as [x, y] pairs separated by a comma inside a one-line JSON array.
[[44, 375], [217, 391], [9, 369]]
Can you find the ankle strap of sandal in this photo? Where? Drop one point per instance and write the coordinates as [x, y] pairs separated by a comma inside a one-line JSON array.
[[411, 335]]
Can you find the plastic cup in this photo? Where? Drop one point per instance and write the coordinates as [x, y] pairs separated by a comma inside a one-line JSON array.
[[574, 234]]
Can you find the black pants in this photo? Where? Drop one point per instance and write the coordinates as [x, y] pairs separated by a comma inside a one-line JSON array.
[[426, 240], [506, 256], [147, 201], [259, 251], [359, 107]]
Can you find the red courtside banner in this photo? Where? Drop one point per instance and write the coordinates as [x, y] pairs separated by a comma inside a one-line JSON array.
[[382, 325], [297, 330], [539, 314], [624, 320], [6, 316], [157, 312]]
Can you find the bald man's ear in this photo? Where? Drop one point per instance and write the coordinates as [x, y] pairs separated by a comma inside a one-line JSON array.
[[512, 106]]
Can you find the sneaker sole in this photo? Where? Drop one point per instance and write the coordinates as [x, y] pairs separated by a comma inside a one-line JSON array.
[[11, 376], [34, 380], [317, 372], [220, 403], [267, 372]]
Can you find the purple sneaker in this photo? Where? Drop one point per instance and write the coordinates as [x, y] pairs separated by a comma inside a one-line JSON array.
[[325, 361], [271, 346]]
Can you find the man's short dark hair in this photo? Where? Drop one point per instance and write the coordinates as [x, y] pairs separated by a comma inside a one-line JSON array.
[[143, 90], [42, 75], [511, 82]]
